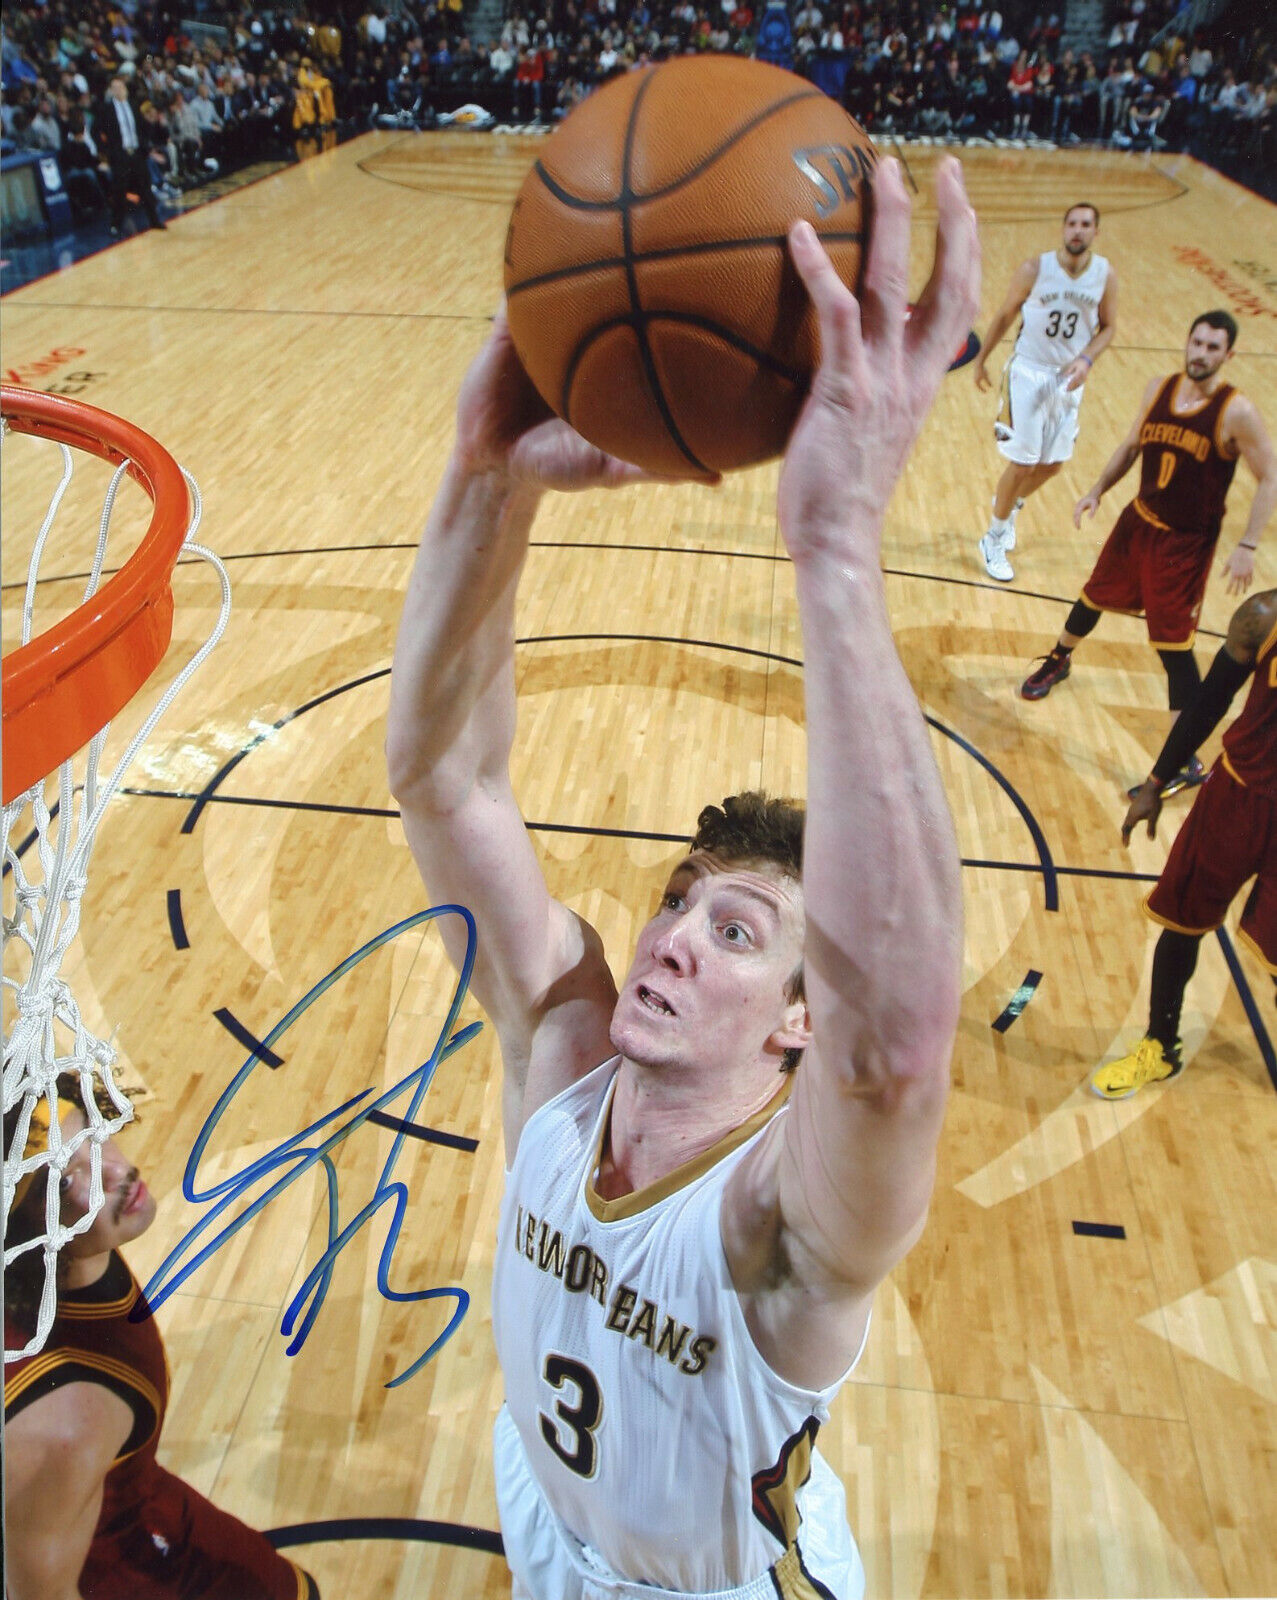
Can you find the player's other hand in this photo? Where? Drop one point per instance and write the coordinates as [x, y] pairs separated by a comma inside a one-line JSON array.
[[1239, 568], [1145, 807], [1075, 374], [879, 368], [1088, 505], [982, 379], [504, 427]]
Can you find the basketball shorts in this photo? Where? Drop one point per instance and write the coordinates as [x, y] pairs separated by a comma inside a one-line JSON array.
[[176, 1545], [1229, 836], [548, 1563], [1143, 568], [1039, 418]]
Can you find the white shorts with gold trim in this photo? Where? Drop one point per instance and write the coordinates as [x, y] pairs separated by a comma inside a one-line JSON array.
[[1038, 423], [548, 1563]]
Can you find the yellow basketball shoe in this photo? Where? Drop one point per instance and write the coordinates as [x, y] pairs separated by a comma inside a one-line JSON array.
[[1149, 1062]]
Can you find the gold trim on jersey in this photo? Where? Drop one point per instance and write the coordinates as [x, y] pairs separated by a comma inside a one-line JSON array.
[[1230, 769], [1251, 943], [67, 1356], [1148, 516], [793, 1581], [1196, 410], [1116, 611], [629, 1205], [1178, 927], [1229, 397], [774, 1491], [88, 1310], [1269, 643]]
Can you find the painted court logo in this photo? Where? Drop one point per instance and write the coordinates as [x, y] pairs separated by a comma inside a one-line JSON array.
[[32, 374], [1241, 298]]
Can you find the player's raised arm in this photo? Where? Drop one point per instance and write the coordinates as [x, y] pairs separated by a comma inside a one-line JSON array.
[[1244, 428], [1020, 290], [882, 958], [452, 722], [1121, 461]]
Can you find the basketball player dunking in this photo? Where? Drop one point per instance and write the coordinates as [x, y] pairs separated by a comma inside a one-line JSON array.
[[1066, 300], [691, 1233], [1190, 431]]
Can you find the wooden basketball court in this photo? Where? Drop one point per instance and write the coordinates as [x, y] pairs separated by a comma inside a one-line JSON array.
[[1069, 1386]]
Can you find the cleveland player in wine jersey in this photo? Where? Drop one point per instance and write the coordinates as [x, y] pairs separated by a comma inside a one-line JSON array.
[[89, 1510], [1066, 300], [1228, 837], [712, 1165], [1191, 429]]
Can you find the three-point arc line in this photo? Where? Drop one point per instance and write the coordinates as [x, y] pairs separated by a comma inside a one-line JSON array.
[[419, 1529], [414, 1130], [250, 1042], [176, 926]]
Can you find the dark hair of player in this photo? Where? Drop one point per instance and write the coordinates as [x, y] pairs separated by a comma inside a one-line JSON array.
[[1217, 319], [754, 827]]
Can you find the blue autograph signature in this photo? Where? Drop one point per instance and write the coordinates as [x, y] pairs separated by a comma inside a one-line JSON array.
[[294, 1157]]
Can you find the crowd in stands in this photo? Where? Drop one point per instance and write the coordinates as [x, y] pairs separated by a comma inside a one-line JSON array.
[[250, 83], [247, 88]]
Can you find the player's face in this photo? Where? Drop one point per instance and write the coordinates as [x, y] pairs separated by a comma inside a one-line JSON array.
[[129, 1206], [1079, 230], [708, 981], [1206, 352]]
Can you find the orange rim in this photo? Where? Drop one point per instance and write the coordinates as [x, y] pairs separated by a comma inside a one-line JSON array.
[[67, 684]]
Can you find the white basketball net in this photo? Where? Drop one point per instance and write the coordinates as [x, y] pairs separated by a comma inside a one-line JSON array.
[[45, 1036]]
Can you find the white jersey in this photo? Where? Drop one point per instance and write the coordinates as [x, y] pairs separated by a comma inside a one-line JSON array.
[[656, 1433], [1060, 317]]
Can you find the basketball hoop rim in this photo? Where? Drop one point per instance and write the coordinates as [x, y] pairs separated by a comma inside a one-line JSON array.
[[66, 684]]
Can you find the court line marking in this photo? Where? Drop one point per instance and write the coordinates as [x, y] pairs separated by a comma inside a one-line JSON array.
[[1249, 1005], [177, 927], [417, 1529], [1050, 887], [1175, 352], [416, 1130], [244, 311], [1016, 1004], [251, 1043], [564, 544], [1100, 1230]]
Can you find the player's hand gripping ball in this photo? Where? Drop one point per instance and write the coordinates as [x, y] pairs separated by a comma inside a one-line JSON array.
[[649, 287]]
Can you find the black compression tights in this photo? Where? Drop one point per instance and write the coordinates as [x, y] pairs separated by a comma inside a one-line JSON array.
[[1174, 962], [1182, 677], [1081, 619]]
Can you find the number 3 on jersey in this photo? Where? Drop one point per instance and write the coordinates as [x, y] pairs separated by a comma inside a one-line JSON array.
[[1069, 319], [573, 1442]]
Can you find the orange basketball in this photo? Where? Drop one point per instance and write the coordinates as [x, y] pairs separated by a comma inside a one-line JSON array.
[[650, 292]]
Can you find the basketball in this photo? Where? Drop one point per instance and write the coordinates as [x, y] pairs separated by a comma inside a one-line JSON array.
[[649, 288]]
